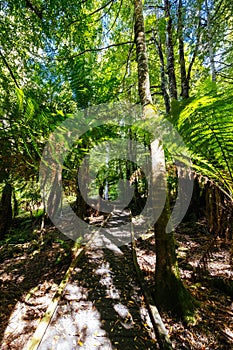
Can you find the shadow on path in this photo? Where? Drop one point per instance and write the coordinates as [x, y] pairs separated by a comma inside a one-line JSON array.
[[102, 305]]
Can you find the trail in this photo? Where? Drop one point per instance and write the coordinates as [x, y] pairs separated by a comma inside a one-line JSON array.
[[102, 305]]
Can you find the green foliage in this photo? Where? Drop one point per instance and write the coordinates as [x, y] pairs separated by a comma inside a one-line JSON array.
[[111, 172], [206, 125], [58, 57]]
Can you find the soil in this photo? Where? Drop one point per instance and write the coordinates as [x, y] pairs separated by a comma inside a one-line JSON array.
[[30, 273]]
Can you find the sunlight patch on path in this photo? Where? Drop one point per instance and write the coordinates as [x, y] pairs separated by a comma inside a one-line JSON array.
[[76, 324]]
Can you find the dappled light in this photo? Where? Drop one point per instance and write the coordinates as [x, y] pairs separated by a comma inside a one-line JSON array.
[[216, 310], [97, 309], [29, 277], [116, 175]]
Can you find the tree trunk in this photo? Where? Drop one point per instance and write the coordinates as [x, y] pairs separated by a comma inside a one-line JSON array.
[[143, 72], [170, 52], [54, 200], [162, 73], [219, 212], [210, 43], [81, 199], [169, 291], [5, 210], [183, 75], [195, 52]]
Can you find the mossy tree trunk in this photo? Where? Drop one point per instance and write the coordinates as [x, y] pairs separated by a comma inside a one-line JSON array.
[[169, 291]]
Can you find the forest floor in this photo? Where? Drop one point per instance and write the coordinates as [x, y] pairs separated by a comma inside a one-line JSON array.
[[32, 266], [213, 288]]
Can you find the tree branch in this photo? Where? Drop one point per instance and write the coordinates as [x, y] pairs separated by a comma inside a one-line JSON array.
[[127, 64], [195, 51], [101, 48], [100, 8], [92, 13], [116, 17], [9, 69]]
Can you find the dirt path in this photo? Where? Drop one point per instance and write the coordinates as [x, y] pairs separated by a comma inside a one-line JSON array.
[[102, 306]]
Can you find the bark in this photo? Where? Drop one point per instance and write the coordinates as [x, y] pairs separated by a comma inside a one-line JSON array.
[[170, 52], [169, 292], [183, 75]]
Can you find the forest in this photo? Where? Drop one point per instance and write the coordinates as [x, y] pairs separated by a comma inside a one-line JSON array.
[[116, 174]]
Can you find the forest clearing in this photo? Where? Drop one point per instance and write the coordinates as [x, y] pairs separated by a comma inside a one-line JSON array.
[[116, 174]]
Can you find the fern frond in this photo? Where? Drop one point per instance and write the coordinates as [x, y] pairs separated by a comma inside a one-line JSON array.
[[206, 125]]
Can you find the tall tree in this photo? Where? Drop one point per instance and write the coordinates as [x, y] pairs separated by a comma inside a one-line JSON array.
[[146, 102], [210, 41], [170, 51], [183, 75], [169, 290], [158, 44]]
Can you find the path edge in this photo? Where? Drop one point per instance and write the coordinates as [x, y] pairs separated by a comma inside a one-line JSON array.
[[35, 341]]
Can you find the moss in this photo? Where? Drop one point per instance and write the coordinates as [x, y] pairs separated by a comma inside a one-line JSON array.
[[171, 295]]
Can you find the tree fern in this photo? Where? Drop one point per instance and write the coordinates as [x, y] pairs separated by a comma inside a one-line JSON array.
[[206, 125]]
